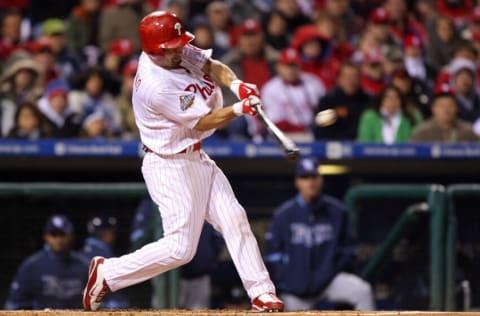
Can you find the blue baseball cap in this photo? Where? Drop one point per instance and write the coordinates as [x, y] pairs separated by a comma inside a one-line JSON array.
[[307, 166], [58, 223]]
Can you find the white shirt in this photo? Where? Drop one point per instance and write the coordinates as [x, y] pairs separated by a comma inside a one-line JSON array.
[[168, 103], [294, 104], [390, 124]]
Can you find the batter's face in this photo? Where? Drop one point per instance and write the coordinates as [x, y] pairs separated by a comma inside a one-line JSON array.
[[170, 59]]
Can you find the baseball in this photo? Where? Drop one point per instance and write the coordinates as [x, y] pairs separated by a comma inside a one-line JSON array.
[[325, 118]]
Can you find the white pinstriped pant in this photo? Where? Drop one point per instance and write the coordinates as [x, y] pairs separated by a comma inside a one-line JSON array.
[[189, 188]]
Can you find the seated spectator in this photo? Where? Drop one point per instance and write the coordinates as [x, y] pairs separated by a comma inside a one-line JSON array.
[[204, 37], [373, 77], [393, 60], [455, 9], [220, 19], [94, 126], [45, 60], [120, 21], [389, 121], [463, 78], [415, 62], [341, 11], [93, 98], [329, 27], [367, 42], [28, 123], [253, 61], [10, 38], [309, 247], [124, 101], [348, 100], [53, 277], [445, 125], [102, 234], [402, 23], [276, 33], [441, 42], [380, 26], [82, 26], [290, 97], [417, 94], [118, 54], [61, 121], [67, 61], [316, 54]]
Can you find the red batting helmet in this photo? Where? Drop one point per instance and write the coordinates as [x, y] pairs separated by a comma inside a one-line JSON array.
[[160, 30]]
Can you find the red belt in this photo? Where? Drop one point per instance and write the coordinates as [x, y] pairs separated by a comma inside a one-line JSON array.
[[195, 147]]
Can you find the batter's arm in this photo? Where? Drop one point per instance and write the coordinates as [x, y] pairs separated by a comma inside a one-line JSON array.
[[215, 119], [219, 72]]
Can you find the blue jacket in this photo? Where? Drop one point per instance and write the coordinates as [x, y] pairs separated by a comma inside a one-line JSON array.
[[308, 244], [49, 280]]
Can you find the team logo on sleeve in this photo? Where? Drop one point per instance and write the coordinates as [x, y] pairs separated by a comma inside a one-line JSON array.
[[186, 101]]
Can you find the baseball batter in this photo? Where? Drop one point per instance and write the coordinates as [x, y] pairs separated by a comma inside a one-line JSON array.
[[177, 103]]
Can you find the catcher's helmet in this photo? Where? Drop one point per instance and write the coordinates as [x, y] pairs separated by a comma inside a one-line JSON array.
[[162, 29]]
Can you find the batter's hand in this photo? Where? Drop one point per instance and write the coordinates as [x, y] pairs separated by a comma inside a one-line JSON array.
[[243, 90], [247, 106]]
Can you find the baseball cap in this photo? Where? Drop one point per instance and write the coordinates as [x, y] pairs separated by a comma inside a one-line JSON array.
[[121, 47], [379, 15], [307, 166], [100, 222], [53, 26], [443, 88], [249, 26], [289, 56], [56, 87], [412, 41], [58, 223]]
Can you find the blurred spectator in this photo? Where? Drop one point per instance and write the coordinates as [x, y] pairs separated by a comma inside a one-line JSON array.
[[414, 60], [463, 77], [445, 125], [11, 21], [219, 17], [368, 41], [180, 8], [102, 234], [402, 23], [61, 121], [290, 98], [19, 82], [54, 276], [348, 23], [204, 37], [291, 11], [373, 77], [28, 123], [117, 55], [253, 61], [195, 285], [441, 42], [380, 26], [393, 60], [309, 247], [124, 101], [120, 22], [275, 27], [348, 100], [82, 27], [67, 61], [416, 93], [457, 10], [473, 26], [101, 115], [389, 121], [329, 27], [316, 54]]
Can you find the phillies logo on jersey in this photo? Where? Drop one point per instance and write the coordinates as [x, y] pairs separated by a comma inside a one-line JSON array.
[[186, 101], [205, 89]]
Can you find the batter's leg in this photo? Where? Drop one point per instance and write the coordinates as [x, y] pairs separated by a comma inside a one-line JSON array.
[[180, 188], [229, 217]]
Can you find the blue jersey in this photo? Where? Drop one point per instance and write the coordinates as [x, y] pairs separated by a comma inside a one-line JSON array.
[[49, 280], [308, 244]]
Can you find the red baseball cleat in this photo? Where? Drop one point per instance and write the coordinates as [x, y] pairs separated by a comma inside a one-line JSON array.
[[267, 302], [96, 287]]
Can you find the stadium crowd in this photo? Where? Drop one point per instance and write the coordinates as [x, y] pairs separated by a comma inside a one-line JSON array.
[[392, 71]]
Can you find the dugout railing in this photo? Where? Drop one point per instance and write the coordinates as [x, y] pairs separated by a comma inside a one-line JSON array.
[[434, 196], [165, 287]]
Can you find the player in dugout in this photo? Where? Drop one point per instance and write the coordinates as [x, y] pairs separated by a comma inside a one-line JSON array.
[[177, 102]]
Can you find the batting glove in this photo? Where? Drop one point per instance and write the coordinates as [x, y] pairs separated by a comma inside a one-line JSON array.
[[243, 90], [247, 106]]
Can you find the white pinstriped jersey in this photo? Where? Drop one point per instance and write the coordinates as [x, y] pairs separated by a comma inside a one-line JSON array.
[[169, 103]]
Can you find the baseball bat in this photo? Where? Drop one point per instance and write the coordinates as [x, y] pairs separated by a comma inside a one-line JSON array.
[[290, 148]]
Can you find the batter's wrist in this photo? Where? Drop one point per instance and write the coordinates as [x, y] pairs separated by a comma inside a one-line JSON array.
[[235, 87]]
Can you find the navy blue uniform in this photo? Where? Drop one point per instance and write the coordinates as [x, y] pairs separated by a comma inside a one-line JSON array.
[[308, 244], [49, 280]]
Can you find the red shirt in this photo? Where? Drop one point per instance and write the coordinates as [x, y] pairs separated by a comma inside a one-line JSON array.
[[256, 71]]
